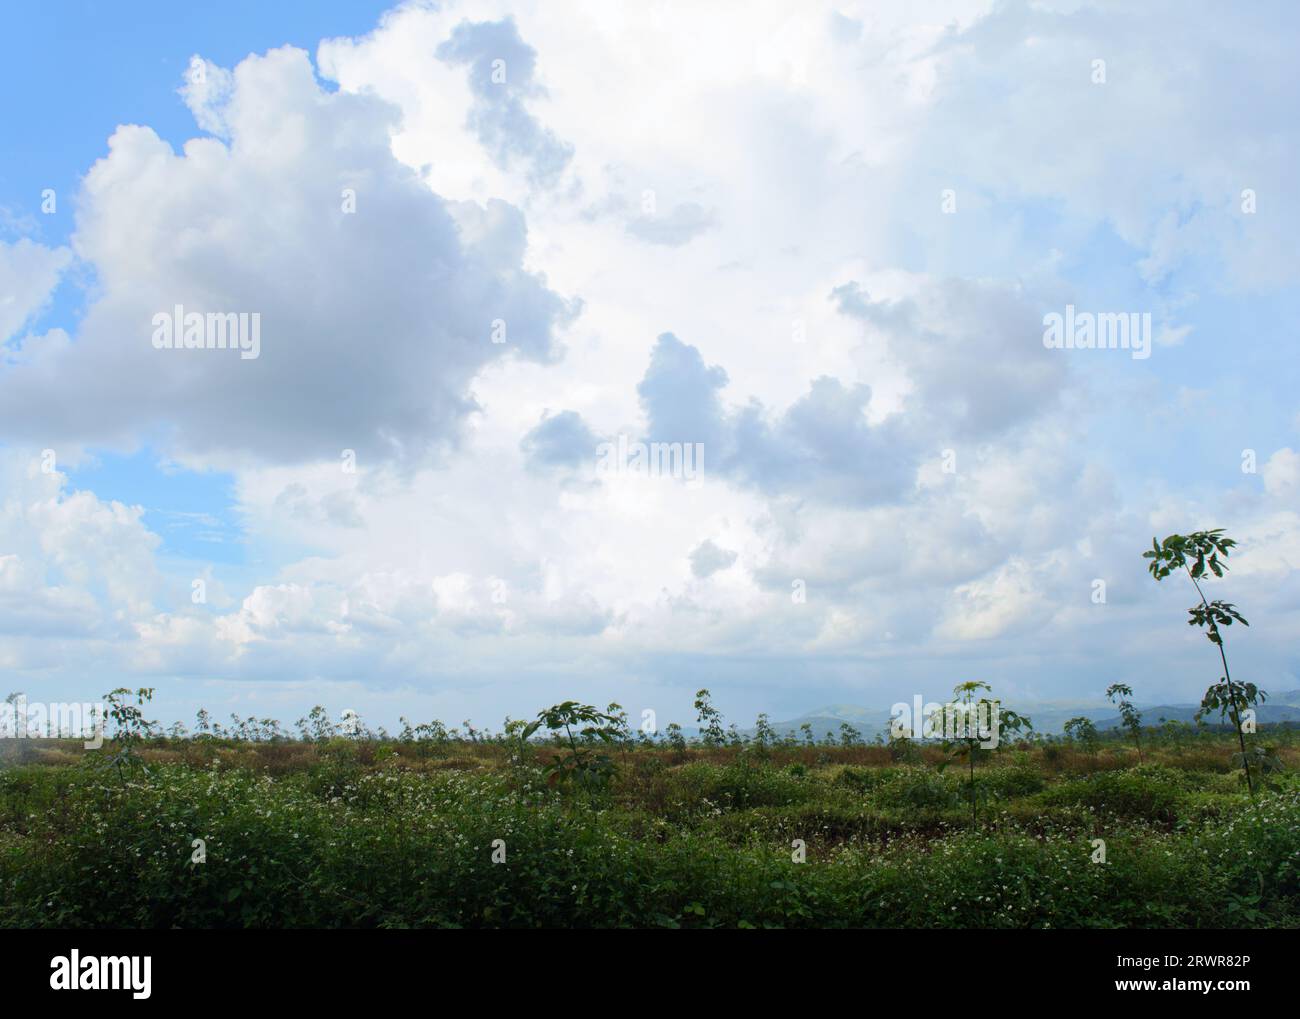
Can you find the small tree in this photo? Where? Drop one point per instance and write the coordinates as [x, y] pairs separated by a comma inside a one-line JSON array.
[[1082, 731], [623, 730], [18, 713], [710, 719], [1130, 717], [316, 727], [1196, 554], [588, 769], [130, 727], [968, 746]]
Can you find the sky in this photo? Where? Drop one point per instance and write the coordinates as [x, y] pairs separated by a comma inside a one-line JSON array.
[[609, 352]]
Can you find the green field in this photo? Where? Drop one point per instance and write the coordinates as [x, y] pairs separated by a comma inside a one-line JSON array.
[[392, 832]]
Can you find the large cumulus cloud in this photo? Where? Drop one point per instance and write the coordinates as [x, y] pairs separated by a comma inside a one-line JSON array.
[[373, 322]]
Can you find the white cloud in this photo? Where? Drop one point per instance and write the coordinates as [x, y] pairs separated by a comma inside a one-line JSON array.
[[72, 567], [29, 273], [373, 323], [1008, 600], [1281, 473]]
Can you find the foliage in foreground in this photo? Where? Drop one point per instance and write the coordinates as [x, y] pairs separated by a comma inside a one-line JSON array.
[[359, 834]]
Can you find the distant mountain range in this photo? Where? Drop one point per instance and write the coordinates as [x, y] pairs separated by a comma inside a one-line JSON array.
[[1047, 716]]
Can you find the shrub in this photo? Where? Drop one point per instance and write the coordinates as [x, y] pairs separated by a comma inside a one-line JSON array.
[[1150, 792], [917, 789]]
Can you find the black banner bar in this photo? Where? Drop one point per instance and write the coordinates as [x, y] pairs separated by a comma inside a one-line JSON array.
[[907, 967]]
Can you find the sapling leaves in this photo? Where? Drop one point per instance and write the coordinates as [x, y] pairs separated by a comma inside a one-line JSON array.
[[1195, 554], [1130, 717], [573, 761]]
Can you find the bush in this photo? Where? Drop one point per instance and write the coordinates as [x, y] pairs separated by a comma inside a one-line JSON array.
[[864, 779], [918, 789], [1151, 792], [1009, 783]]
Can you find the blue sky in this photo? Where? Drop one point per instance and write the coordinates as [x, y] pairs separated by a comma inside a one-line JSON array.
[[481, 241], [95, 66]]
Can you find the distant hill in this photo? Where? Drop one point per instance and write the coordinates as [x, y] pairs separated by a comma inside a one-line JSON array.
[[1047, 716]]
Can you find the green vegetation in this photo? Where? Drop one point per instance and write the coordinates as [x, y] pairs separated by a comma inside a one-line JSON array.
[[1198, 554], [1130, 717], [593, 826], [964, 714], [1081, 730]]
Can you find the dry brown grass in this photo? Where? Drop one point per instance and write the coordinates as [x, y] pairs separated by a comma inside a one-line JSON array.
[[283, 757]]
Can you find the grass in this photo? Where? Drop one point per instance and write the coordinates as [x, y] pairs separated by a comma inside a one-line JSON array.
[[369, 833]]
